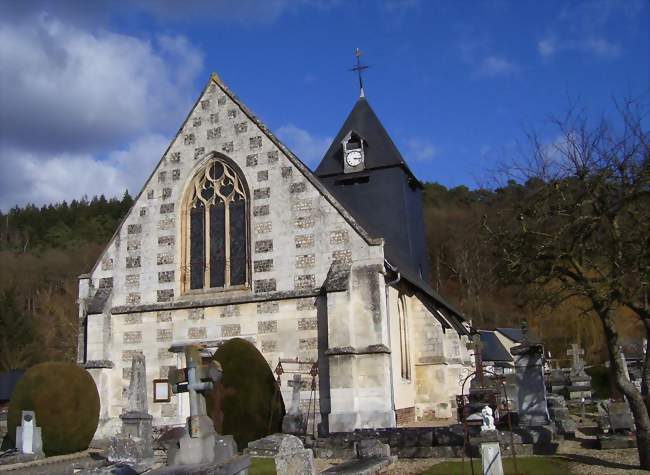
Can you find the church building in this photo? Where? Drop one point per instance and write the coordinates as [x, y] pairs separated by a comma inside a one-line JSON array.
[[233, 236]]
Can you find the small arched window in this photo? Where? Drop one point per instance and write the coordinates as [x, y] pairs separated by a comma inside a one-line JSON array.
[[405, 356], [217, 229]]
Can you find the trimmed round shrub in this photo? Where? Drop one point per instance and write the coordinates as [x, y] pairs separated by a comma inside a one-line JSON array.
[[247, 403], [65, 400]]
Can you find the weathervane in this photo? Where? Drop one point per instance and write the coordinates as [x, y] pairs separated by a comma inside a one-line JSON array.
[[358, 68]]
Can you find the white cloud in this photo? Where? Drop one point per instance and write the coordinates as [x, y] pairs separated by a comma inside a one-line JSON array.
[[547, 47], [583, 27], [35, 177], [86, 111], [496, 66], [67, 89], [476, 53], [308, 147], [601, 47], [421, 150]]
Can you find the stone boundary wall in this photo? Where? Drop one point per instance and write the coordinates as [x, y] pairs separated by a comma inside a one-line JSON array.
[[428, 442]]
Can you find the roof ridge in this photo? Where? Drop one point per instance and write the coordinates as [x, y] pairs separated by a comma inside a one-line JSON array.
[[304, 169]]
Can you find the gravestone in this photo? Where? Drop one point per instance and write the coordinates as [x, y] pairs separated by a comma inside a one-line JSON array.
[[559, 413], [559, 380], [580, 386], [198, 442], [372, 448], [293, 458], [293, 420], [134, 445], [529, 371], [620, 416], [28, 435]]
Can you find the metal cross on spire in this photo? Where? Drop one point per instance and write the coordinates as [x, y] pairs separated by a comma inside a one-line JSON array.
[[358, 68]]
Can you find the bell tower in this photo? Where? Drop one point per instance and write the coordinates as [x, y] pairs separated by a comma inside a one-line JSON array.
[[366, 172]]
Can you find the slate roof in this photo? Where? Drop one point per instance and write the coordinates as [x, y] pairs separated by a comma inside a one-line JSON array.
[[515, 334], [8, 381], [492, 349], [98, 301], [407, 273], [379, 149]]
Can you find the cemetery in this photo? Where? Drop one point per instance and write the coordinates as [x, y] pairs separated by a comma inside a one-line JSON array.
[[521, 421], [309, 289]]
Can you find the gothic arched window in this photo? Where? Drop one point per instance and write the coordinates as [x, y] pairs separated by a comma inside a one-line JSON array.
[[217, 228]]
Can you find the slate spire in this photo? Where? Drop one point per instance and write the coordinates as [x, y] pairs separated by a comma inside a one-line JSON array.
[[381, 192], [380, 151]]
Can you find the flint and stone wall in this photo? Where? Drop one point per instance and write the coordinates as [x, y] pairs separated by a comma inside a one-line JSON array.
[[316, 285]]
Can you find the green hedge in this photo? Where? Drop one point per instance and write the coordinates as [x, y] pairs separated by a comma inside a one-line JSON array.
[[65, 400], [600, 381], [246, 404]]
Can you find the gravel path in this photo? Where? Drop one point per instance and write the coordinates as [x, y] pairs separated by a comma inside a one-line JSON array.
[[586, 459]]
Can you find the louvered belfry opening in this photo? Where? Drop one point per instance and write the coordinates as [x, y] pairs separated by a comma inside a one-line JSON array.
[[217, 212]]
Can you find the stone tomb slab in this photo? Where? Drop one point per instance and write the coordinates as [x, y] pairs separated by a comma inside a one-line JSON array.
[[361, 466], [620, 417], [237, 465], [606, 442]]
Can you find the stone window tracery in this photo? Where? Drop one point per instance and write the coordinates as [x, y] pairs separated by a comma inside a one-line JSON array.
[[217, 229]]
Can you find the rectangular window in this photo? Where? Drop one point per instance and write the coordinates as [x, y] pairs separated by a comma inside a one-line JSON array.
[[217, 245], [197, 252], [237, 242]]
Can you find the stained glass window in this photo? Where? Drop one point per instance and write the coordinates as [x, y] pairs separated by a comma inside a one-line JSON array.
[[218, 230]]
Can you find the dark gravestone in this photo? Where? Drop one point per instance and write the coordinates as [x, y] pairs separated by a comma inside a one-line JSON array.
[[620, 417], [529, 370]]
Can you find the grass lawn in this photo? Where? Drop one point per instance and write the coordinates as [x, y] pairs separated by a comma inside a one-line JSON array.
[[525, 466], [262, 466]]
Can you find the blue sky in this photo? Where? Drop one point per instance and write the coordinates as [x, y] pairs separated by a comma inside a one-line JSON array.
[[92, 92]]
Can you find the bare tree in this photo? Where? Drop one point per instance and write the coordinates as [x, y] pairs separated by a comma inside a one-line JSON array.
[[583, 229]]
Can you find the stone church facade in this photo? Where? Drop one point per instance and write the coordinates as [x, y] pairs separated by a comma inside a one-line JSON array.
[[233, 236]]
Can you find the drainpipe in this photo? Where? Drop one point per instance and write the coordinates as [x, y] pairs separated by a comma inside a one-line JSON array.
[[387, 287]]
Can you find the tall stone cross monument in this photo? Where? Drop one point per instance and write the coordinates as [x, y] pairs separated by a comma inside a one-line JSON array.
[[577, 363], [199, 443], [477, 345]]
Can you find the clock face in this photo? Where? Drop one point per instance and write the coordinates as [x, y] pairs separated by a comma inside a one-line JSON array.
[[353, 158]]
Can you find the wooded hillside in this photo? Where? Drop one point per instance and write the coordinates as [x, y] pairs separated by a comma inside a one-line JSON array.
[[44, 250]]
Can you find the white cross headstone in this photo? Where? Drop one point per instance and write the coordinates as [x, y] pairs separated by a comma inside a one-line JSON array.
[[576, 352]]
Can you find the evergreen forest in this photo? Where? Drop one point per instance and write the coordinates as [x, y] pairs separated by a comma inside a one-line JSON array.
[[44, 250]]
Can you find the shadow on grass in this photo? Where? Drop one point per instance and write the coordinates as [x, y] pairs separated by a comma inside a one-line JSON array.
[[587, 460], [525, 466]]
